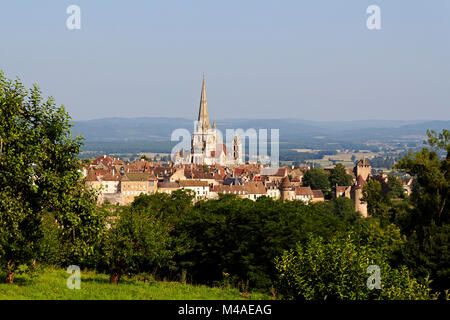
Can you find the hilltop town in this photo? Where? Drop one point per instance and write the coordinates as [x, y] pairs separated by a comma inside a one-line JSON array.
[[119, 182], [209, 170]]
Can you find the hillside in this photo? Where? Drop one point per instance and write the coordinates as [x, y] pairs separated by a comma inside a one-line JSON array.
[[160, 129], [135, 135]]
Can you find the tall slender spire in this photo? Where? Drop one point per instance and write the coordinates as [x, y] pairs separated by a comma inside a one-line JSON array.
[[203, 115]]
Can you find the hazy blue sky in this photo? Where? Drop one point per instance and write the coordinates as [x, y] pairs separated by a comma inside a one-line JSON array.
[[305, 59]]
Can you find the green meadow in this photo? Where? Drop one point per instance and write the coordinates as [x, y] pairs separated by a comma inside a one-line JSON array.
[[50, 284]]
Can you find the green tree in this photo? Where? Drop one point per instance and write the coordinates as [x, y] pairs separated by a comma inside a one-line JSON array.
[[378, 205], [339, 176], [395, 187], [136, 242], [39, 174], [317, 179], [344, 208], [388, 238], [170, 207], [431, 193]]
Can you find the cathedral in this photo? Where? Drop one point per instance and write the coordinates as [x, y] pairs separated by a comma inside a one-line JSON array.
[[207, 145]]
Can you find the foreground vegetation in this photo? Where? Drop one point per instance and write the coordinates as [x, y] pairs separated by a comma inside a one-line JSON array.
[[50, 284]]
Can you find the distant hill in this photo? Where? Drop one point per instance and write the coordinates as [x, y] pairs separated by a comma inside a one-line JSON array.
[[160, 129]]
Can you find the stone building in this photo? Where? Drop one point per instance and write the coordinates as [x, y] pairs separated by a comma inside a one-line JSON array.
[[167, 187], [362, 172], [363, 169], [287, 192], [200, 188], [318, 196], [304, 193], [273, 191], [135, 184]]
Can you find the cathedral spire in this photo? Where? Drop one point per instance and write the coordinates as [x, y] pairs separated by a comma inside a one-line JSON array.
[[203, 115]]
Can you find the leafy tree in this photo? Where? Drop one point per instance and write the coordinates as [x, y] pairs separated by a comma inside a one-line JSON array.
[[378, 205], [388, 237], [431, 195], [170, 207], [427, 254], [339, 176], [39, 174], [137, 242], [316, 178], [344, 208], [395, 187]]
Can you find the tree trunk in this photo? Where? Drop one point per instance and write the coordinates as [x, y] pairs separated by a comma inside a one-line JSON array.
[[10, 277], [114, 278], [183, 276]]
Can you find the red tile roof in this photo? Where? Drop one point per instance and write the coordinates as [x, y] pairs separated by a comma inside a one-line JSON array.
[[317, 194], [304, 191], [360, 182]]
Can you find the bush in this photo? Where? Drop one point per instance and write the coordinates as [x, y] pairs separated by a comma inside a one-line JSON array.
[[336, 270]]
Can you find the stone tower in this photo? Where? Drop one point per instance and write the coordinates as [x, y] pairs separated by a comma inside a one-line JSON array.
[[203, 115], [286, 190], [237, 152], [356, 195], [363, 168]]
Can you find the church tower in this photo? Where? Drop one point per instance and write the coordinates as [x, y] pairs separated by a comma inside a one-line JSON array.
[[237, 153], [204, 138], [203, 115], [207, 145]]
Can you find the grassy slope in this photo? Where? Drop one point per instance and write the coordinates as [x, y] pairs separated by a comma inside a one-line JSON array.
[[51, 284]]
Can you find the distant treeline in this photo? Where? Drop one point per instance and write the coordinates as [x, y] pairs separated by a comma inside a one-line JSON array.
[[93, 148], [301, 157], [382, 162]]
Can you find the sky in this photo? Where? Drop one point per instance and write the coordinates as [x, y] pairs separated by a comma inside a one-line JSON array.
[[313, 60]]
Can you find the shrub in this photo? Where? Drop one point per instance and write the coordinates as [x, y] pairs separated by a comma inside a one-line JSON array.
[[337, 270]]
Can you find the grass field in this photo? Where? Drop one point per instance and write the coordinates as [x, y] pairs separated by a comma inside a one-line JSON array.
[[50, 284]]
